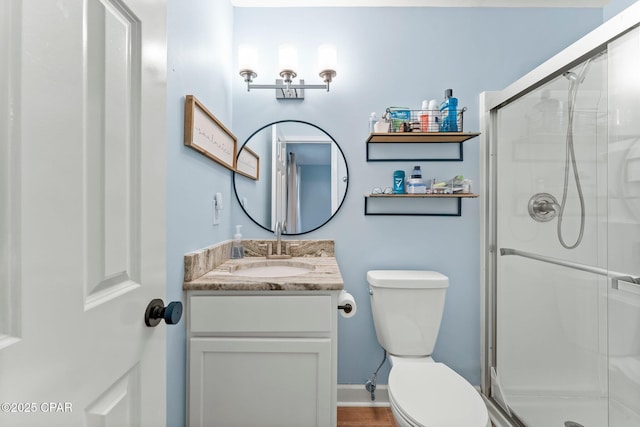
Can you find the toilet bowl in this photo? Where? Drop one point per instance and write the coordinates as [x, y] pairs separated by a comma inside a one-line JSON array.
[[407, 308], [424, 393]]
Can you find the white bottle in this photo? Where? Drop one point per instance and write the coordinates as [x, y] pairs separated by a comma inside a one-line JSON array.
[[434, 116], [237, 251], [424, 117], [416, 184], [373, 119]]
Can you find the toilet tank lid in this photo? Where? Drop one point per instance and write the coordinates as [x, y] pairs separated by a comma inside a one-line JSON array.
[[413, 279]]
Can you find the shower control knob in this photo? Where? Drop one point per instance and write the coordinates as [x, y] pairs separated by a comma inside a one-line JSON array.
[[543, 207], [156, 311]]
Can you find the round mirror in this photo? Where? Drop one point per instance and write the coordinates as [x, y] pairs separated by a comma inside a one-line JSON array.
[[293, 173]]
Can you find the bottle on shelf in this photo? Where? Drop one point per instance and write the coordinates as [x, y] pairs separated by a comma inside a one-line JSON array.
[[434, 116], [398, 182], [373, 119], [424, 117], [449, 112], [416, 184]]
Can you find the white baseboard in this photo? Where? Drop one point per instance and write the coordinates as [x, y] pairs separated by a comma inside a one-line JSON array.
[[357, 395]]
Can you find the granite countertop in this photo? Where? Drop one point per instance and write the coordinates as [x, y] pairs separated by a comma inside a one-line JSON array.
[[324, 276], [211, 268]]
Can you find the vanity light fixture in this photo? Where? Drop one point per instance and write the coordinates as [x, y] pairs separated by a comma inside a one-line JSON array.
[[288, 63]]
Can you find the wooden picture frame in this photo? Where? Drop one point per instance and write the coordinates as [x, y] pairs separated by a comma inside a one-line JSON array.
[[248, 163], [207, 135]]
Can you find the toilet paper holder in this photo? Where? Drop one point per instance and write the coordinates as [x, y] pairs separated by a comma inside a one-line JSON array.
[[347, 308]]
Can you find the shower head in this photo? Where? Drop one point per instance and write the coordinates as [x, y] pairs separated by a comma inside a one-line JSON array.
[[576, 78], [571, 76], [581, 75]]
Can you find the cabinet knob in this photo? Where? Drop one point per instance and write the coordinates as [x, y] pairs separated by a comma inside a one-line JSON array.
[[156, 311]]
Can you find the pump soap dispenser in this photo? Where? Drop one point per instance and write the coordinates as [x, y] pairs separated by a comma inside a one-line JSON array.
[[237, 250]]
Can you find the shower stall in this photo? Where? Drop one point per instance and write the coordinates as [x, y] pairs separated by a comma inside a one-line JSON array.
[[561, 237]]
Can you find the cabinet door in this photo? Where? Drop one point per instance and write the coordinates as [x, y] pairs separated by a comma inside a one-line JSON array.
[[279, 382]]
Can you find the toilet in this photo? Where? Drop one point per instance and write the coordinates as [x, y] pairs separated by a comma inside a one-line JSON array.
[[407, 308]]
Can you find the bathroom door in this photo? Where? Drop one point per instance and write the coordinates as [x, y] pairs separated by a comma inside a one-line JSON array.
[[82, 211], [279, 179]]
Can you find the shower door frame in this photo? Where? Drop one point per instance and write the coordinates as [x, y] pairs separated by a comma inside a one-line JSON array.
[[490, 102]]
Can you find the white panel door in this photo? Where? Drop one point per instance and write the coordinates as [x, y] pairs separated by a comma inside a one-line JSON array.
[[82, 212]]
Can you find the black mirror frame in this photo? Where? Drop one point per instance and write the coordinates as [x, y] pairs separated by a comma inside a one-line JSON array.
[[346, 189]]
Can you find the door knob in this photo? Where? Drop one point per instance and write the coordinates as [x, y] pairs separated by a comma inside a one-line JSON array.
[[156, 311]]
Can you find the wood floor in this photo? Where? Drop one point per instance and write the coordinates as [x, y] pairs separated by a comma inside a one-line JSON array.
[[365, 417]]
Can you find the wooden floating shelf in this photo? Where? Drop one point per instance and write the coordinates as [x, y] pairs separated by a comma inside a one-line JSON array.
[[391, 138], [409, 212], [458, 195], [420, 137]]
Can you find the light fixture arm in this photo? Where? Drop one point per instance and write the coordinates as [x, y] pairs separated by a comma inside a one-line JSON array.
[[287, 76], [285, 88], [327, 76], [248, 76]]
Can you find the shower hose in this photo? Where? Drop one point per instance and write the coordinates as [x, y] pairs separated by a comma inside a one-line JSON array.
[[570, 157]]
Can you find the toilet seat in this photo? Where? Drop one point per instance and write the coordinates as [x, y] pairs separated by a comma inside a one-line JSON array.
[[433, 395]]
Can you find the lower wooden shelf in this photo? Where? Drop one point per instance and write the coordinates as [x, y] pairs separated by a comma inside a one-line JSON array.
[[413, 204]]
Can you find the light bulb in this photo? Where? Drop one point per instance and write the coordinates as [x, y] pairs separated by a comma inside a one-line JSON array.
[[327, 57], [247, 58], [288, 58]]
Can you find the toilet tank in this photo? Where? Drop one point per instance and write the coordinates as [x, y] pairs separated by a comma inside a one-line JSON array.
[[407, 308]]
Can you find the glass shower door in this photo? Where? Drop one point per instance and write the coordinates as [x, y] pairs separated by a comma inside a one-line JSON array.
[[551, 365]]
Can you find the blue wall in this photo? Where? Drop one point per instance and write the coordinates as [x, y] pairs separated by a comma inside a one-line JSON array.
[[387, 56], [198, 63], [615, 7], [398, 57], [315, 188]]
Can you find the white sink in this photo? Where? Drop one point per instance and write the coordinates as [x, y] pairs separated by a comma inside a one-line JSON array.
[[271, 268]]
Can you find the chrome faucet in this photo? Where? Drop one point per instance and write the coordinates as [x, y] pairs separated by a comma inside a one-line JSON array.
[[278, 252]]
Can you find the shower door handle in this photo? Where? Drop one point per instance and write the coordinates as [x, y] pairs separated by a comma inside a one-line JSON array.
[[619, 281], [627, 284]]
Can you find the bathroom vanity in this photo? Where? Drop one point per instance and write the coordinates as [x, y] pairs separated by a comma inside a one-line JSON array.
[[262, 344]]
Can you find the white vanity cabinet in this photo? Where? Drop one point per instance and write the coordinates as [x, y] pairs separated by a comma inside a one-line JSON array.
[[263, 358]]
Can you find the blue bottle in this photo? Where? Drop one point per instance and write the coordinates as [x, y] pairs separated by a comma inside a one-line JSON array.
[[449, 112], [398, 182]]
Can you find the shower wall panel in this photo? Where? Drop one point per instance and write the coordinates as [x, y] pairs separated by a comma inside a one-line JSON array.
[[624, 229]]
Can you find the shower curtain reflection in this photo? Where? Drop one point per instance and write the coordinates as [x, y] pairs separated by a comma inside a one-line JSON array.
[[293, 195]]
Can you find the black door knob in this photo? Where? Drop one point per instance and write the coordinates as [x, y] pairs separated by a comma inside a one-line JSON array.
[[156, 311]]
